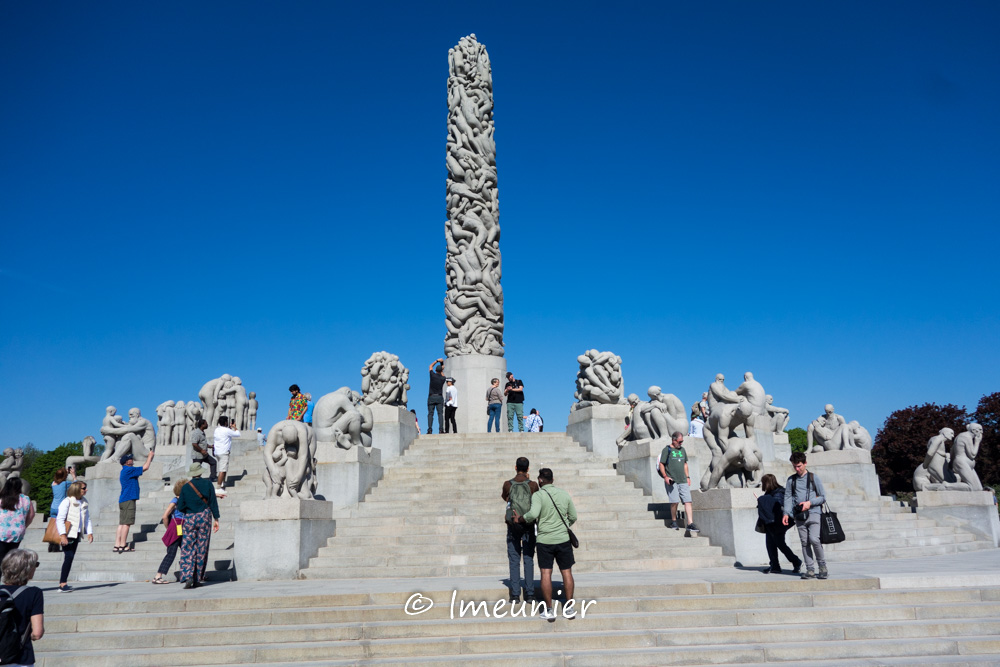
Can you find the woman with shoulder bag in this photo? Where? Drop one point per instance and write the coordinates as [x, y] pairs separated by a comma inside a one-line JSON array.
[[73, 522], [174, 534], [16, 514], [769, 513], [198, 503]]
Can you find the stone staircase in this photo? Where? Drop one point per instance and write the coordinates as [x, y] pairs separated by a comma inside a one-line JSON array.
[[97, 561], [438, 512], [778, 621], [884, 528]]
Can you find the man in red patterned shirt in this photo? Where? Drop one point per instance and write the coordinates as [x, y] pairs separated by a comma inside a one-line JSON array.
[[297, 406]]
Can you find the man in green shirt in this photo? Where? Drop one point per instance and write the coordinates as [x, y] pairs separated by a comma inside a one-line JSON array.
[[553, 511], [677, 479]]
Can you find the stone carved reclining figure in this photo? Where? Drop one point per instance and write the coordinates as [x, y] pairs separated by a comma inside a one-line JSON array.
[[341, 418], [660, 417], [384, 380], [88, 453], [599, 381], [290, 460]]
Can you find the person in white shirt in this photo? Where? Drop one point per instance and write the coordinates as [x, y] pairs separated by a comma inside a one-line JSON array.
[[450, 405], [223, 442]]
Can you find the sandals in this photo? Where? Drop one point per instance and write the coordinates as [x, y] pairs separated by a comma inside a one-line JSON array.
[[125, 549], [118, 550], [160, 580]]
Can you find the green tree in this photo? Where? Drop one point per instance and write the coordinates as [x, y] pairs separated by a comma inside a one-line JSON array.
[[798, 439], [42, 469], [901, 444], [988, 416]]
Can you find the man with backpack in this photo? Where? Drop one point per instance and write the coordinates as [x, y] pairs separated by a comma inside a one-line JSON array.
[[804, 498], [520, 536]]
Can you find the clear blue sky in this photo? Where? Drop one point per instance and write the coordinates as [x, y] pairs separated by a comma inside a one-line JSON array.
[[810, 191]]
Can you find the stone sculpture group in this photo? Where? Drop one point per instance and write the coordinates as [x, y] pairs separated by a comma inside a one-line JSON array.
[[474, 299], [599, 380], [11, 466], [226, 396], [384, 380], [956, 471], [137, 436], [175, 421], [658, 418], [729, 432], [830, 432]]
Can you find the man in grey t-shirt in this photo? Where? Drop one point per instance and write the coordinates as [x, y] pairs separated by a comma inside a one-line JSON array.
[[199, 443], [806, 490]]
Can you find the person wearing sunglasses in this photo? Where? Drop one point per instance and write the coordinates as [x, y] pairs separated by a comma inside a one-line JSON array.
[[73, 522]]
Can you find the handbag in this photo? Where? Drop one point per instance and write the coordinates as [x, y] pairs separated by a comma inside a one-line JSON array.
[[761, 527], [51, 534], [173, 532], [572, 536], [830, 531]]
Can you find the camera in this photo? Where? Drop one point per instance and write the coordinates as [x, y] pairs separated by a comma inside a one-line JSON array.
[[801, 512]]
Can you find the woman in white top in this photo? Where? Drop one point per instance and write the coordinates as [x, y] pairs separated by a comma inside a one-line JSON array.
[[73, 522]]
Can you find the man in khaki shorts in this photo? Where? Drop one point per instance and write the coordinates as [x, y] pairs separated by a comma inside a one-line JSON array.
[[222, 443], [129, 479]]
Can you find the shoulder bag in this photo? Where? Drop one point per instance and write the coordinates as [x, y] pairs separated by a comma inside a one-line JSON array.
[[830, 531], [572, 537]]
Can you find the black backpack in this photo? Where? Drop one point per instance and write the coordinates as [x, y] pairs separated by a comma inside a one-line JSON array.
[[11, 641]]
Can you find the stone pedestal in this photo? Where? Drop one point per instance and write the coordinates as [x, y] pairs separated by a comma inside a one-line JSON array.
[[782, 448], [173, 457], [972, 510], [472, 373], [765, 443], [846, 469], [275, 538], [344, 476], [596, 427], [248, 443], [393, 431], [104, 487], [638, 462], [728, 517]]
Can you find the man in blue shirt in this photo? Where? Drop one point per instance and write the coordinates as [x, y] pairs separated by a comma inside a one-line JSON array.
[[129, 479]]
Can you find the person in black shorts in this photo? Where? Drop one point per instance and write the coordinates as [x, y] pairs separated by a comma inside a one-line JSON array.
[[553, 510]]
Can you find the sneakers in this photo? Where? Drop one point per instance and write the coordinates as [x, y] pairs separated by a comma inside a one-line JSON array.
[[514, 598], [808, 574], [66, 589], [693, 528], [823, 573], [570, 615], [528, 597], [797, 567], [673, 524], [547, 616], [772, 570]]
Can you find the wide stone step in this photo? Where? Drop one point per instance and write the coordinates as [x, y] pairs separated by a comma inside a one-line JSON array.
[[497, 556], [920, 541], [581, 567], [886, 552], [349, 530]]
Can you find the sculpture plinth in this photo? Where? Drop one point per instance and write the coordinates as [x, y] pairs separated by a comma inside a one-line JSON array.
[[104, 487], [597, 426], [393, 430], [275, 538], [472, 373], [344, 476], [974, 511], [842, 469], [728, 517], [639, 461]]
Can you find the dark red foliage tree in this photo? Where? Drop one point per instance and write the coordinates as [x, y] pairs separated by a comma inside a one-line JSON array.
[[988, 462], [901, 443]]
